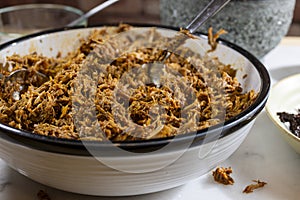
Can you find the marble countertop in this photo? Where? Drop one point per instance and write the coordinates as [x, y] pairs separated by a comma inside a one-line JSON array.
[[264, 155]]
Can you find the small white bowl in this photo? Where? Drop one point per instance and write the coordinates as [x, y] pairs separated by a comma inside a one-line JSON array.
[[285, 97]]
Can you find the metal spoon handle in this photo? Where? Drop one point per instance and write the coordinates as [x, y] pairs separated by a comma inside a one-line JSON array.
[[92, 12], [211, 9]]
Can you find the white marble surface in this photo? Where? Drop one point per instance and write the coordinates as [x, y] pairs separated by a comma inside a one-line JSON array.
[[264, 155]]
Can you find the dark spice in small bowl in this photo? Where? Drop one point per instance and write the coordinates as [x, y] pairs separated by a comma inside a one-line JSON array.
[[293, 120]]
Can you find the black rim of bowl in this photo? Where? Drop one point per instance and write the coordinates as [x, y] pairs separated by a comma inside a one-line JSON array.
[[76, 147]]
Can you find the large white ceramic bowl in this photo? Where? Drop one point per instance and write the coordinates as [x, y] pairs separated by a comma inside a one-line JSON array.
[[146, 166]]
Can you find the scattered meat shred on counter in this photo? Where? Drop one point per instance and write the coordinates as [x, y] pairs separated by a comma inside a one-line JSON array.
[[222, 175], [42, 195], [50, 108], [258, 184]]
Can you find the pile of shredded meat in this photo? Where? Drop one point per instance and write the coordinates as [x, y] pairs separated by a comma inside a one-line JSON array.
[[100, 92]]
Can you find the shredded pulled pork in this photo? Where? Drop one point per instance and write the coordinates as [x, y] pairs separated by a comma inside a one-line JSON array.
[[88, 97], [212, 38], [250, 188], [222, 175]]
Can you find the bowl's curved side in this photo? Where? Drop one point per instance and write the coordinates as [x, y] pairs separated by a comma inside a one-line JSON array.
[[87, 175]]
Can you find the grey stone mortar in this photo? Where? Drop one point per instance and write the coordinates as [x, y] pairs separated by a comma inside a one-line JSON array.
[[255, 25]]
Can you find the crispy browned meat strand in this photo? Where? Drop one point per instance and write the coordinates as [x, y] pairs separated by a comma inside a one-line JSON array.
[[212, 38], [250, 188], [99, 92], [222, 175]]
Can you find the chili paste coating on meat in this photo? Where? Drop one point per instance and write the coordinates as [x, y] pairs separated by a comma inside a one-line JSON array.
[[87, 98]]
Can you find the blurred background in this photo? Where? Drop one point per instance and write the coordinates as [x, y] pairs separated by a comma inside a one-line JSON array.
[[124, 11]]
